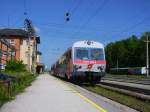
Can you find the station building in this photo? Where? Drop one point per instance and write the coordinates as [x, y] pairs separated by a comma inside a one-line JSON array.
[[24, 50]]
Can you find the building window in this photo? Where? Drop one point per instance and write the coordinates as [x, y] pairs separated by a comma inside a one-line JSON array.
[[26, 54], [27, 41], [13, 53], [12, 42], [4, 53]]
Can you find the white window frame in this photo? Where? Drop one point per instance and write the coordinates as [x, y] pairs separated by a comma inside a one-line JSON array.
[[12, 41]]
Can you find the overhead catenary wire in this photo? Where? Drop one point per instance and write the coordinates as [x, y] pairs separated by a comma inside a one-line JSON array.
[[136, 15], [125, 30], [130, 28], [58, 27], [90, 3], [18, 21], [93, 15], [98, 29], [54, 27], [25, 7], [101, 6], [72, 10], [21, 19], [137, 24], [94, 29], [76, 7]]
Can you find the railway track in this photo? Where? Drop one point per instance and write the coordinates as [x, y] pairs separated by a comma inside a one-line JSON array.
[[138, 88], [144, 81], [138, 92]]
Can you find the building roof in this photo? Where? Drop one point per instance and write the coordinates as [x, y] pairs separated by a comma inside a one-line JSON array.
[[13, 32]]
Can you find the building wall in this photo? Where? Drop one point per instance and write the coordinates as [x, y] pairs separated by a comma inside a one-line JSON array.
[[38, 58], [17, 44], [6, 51], [32, 52], [4, 58], [24, 51]]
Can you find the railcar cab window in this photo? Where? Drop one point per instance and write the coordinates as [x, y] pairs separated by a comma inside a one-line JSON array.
[[97, 54], [82, 54]]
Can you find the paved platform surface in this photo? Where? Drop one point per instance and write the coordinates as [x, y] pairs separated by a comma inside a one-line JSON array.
[[48, 94]]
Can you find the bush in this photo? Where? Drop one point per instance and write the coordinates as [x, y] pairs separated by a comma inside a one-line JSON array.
[[23, 80], [14, 65]]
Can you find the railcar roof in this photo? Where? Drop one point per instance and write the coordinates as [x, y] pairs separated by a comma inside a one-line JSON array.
[[88, 44]]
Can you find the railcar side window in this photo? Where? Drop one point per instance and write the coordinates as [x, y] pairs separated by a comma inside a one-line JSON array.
[[82, 54], [97, 54]]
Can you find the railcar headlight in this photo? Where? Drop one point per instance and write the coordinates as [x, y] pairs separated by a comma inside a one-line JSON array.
[[77, 67], [101, 68], [80, 67]]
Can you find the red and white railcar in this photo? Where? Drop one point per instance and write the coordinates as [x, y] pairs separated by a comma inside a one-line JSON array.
[[83, 62]]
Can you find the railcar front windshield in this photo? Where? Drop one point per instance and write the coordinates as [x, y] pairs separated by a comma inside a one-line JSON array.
[[82, 54], [89, 54], [97, 54]]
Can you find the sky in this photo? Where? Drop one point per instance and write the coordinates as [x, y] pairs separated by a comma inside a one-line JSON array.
[[104, 21]]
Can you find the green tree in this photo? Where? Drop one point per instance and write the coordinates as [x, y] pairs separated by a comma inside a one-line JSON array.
[[130, 52]]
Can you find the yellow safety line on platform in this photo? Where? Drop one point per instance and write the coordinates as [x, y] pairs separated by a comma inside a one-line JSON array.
[[91, 102], [84, 98]]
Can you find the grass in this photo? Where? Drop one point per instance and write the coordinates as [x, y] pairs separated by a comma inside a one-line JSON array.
[[140, 105], [23, 80]]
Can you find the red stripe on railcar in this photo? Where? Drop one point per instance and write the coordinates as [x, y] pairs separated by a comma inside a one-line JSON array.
[[89, 62]]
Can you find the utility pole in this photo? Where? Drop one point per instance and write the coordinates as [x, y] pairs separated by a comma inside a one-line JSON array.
[[31, 37], [29, 52], [29, 30], [147, 56], [117, 65]]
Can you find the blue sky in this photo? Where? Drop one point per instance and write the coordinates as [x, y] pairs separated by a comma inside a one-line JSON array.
[[100, 20]]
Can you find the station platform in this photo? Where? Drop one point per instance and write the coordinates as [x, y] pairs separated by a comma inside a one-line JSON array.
[[49, 94]]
